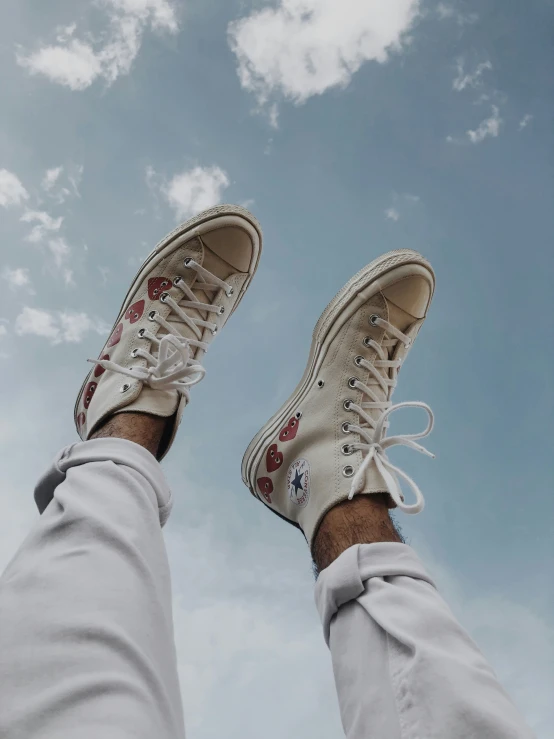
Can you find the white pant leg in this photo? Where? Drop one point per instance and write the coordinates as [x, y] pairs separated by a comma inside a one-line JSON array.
[[404, 668], [86, 628]]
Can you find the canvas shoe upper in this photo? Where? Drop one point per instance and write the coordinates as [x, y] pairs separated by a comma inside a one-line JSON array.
[[183, 294], [328, 442]]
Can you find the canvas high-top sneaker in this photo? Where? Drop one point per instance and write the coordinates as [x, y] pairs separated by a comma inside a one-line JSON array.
[[183, 294], [328, 441]]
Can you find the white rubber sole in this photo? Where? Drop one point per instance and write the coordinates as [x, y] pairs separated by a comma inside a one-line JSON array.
[[225, 215], [376, 276]]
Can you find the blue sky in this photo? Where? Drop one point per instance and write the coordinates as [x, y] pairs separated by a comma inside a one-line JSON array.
[[348, 129]]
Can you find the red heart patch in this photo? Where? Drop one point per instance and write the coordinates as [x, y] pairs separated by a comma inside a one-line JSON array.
[[156, 286], [135, 311], [273, 458], [266, 488], [89, 392], [115, 338], [81, 420], [98, 370], [290, 430]]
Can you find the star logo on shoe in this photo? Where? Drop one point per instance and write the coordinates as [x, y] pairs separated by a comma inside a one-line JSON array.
[[298, 482]]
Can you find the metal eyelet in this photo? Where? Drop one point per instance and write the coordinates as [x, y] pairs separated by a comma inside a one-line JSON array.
[[187, 261], [352, 382], [141, 333], [345, 428], [298, 415], [358, 361], [124, 388], [367, 341], [348, 471], [346, 405], [373, 319], [177, 280], [320, 383], [221, 311], [214, 331], [134, 353], [152, 315], [164, 297], [347, 449], [230, 292]]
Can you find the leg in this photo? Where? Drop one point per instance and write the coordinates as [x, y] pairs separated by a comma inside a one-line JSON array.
[[86, 631], [404, 668]]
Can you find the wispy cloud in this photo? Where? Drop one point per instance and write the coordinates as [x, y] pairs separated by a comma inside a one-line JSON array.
[[525, 121], [50, 178], [190, 191], [77, 63], [58, 326], [490, 127], [310, 46], [12, 191], [18, 277], [44, 223], [393, 213], [449, 12], [464, 79]]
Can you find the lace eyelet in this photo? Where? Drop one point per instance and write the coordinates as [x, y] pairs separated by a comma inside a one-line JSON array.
[[164, 297], [348, 471], [298, 415], [230, 292], [345, 428], [320, 383], [352, 382], [124, 388], [347, 449], [373, 318], [346, 405], [367, 341], [177, 281], [221, 311], [214, 331], [141, 333], [152, 315], [187, 261], [358, 361], [134, 353]]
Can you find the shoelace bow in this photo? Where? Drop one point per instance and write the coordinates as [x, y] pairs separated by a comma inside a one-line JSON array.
[[374, 434], [174, 367]]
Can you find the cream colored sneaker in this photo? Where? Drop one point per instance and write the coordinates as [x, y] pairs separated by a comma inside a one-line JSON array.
[[181, 297], [328, 441]]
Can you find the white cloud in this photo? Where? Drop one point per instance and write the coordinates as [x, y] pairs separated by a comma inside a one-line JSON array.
[[44, 224], [447, 12], [525, 121], [3, 330], [304, 47], [12, 191], [59, 327], [60, 250], [488, 127], [76, 64], [400, 202], [18, 277], [50, 178], [464, 80], [194, 190], [392, 214]]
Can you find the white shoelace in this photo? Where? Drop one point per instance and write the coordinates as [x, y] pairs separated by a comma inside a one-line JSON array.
[[374, 434], [174, 368]]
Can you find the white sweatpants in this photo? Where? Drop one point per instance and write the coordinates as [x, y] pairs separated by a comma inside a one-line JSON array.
[[86, 632]]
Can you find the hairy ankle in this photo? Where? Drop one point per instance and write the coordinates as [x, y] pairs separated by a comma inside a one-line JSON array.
[[363, 520], [141, 428]]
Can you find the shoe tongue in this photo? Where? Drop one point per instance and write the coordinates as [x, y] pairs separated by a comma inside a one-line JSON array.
[[218, 267]]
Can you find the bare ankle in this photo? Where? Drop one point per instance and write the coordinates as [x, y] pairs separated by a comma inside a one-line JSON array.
[[363, 520], [142, 428]]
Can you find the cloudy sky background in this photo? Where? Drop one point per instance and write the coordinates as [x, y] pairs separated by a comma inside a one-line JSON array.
[[349, 129]]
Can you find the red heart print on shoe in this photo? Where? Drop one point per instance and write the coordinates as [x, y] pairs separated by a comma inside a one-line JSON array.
[[115, 338], [135, 311], [98, 370], [81, 419], [89, 392], [273, 458], [290, 430], [266, 488], [156, 286]]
